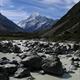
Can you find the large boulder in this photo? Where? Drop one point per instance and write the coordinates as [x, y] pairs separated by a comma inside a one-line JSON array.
[[3, 77], [3, 74], [32, 62], [76, 47], [44, 45], [53, 66], [75, 61], [4, 60], [22, 73], [10, 69], [77, 53], [8, 66], [60, 50], [15, 62], [17, 49], [6, 47]]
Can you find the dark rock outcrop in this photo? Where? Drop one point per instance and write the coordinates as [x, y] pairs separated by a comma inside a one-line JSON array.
[[9, 48], [4, 60], [10, 69], [3, 74], [32, 62], [53, 66], [16, 49]]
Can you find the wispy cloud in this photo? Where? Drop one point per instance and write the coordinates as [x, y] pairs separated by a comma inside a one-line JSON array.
[[15, 15], [17, 10], [4, 2], [58, 1], [75, 1]]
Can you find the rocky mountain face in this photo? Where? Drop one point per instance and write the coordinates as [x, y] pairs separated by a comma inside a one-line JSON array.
[[7, 25], [36, 22], [68, 27]]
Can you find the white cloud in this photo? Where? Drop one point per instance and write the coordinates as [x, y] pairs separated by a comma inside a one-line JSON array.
[[15, 15], [59, 1], [50, 1], [21, 13], [65, 3], [4, 2], [75, 1]]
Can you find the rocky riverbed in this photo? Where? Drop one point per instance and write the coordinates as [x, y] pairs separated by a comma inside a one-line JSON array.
[[39, 60]]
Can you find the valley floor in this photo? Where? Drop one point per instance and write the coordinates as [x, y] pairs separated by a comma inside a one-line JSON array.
[[66, 61], [75, 75]]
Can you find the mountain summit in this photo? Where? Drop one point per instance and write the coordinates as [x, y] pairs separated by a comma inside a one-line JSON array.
[[36, 22]]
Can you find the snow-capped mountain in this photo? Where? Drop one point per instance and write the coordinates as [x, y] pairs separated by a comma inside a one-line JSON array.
[[36, 22]]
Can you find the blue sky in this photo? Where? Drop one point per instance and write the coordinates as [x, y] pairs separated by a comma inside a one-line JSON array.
[[17, 10]]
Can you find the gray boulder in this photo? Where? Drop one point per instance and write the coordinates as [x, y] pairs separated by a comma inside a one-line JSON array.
[[22, 73], [17, 49], [3, 74], [32, 62], [53, 66], [10, 69]]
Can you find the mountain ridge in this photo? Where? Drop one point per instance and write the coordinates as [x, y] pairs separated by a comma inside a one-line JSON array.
[[36, 22], [68, 27], [7, 25]]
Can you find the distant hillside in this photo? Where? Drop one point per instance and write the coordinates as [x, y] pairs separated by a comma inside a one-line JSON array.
[[7, 25], [68, 27]]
